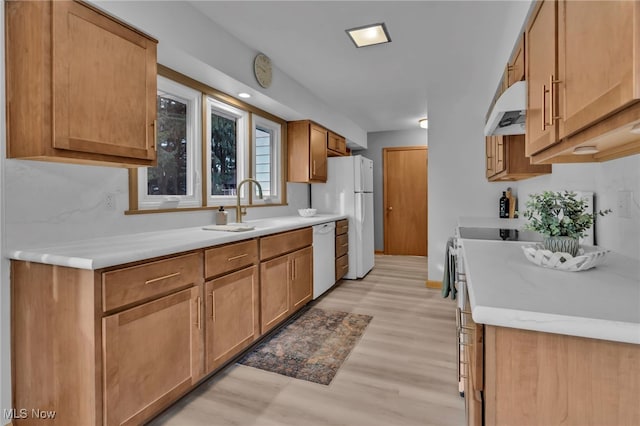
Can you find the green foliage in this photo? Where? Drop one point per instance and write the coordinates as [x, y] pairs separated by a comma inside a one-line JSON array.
[[559, 214], [223, 155], [169, 177]]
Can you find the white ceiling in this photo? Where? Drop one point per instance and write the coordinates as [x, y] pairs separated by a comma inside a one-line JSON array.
[[438, 48]]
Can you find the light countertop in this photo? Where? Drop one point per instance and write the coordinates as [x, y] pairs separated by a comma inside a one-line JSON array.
[[506, 290], [103, 252]]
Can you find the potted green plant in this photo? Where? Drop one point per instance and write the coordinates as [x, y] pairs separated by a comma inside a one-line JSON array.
[[561, 217]]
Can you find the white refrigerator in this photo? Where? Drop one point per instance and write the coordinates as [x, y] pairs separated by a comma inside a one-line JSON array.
[[349, 191]]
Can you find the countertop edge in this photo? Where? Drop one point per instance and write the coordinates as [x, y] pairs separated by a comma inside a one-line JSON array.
[[591, 328], [48, 256]]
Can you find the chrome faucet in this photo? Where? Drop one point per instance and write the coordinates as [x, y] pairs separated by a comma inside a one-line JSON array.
[[239, 211]]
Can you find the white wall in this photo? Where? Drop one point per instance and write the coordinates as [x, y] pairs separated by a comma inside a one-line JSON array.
[[457, 184], [210, 54], [620, 234], [376, 141]]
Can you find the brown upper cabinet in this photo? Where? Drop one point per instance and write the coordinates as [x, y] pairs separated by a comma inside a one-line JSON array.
[[506, 160], [583, 75], [505, 154], [307, 151], [336, 145], [81, 86], [515, 67]]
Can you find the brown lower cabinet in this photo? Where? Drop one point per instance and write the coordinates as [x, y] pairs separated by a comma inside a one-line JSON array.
[[342, 248], [232, 306], [152, 356], [286, 286], [116, 346], [522, 377]]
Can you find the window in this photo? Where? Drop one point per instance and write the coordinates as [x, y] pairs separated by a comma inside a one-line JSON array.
[[174, 180], [226, 152], [267, 163], [207, 143]]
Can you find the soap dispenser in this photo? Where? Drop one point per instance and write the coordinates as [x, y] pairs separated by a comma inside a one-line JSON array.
[[221, 216]]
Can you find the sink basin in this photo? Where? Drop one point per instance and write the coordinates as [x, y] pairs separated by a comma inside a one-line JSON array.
[[231, 227]]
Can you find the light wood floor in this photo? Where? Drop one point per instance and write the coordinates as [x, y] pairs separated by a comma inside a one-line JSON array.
[[401, 372]]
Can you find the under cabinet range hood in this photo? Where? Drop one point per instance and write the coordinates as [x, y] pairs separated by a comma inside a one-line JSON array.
[[509, 112]]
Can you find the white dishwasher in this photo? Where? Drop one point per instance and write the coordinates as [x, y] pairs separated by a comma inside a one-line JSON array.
[[324, 257]]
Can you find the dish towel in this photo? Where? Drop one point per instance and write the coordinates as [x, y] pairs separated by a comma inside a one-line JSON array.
[[449, 278]]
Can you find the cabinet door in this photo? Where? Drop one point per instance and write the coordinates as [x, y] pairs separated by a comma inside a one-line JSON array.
[[490, 158], [540, 67], [104, 84], [152, 355], [318, 154], [336, 145], [301, 277], [231, 309], [498, 153], [274, 292], [600, 37], [515, 70]]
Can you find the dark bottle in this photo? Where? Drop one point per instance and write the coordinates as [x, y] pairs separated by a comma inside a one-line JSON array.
[[504, 205]]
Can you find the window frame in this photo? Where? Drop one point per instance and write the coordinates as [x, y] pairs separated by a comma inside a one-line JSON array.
[[205, 92], [193, 198], [242, 157], [276, 162]]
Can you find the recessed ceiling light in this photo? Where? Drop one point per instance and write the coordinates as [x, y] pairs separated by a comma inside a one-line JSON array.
[[424, 123], [369, 35], [586, 150], [244, 95]]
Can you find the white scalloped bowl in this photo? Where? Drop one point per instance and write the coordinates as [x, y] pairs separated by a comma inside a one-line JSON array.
[[587, 258], [307, 212]]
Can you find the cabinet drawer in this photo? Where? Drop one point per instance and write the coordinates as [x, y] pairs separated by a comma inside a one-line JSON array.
[[219, 260], [129, 285], [342, 226], [285, 242], [342, 266], [342, 244]]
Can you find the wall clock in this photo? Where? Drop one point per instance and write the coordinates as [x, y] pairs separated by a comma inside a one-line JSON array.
[[262, 70]]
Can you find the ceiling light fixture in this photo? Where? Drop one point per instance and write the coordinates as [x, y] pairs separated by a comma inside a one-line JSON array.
[[369, 35], [586, 150], [244, 95], [424, 123]]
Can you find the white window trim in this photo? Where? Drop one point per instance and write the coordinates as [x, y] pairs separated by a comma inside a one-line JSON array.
[[242, 160], [276, 159], [193, 198]]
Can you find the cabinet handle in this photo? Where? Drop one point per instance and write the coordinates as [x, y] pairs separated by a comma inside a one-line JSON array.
[[237, 257], [155, 134], [552, 99], [544, 107], [199, 311], [155, 280], [213, 306], [313, 170], [293, 271]]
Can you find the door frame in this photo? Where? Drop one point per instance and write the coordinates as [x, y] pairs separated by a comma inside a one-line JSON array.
[[385, 186]]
